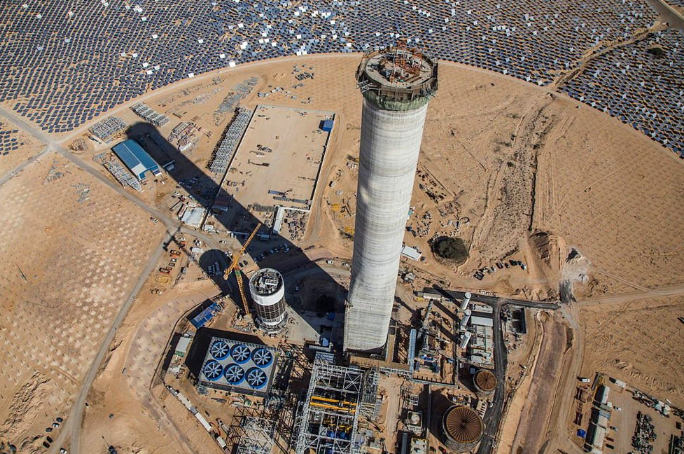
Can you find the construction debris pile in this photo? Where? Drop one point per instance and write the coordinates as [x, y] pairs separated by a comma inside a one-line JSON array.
[[296, 224], [118, 171], [122, 175], [78, 145], [184, 136], [302, 74], [644, 434], [239, 92]]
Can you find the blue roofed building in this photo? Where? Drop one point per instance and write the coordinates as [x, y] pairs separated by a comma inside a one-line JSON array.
[[203, 317], [138, 161], [327, 125]]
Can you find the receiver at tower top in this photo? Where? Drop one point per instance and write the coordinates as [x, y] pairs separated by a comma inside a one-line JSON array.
[[397, 78]]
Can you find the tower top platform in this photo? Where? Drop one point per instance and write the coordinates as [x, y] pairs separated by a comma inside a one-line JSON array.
[[397, 78]]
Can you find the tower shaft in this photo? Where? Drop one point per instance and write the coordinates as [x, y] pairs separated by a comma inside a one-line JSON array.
[[390, 145], [397, 84]]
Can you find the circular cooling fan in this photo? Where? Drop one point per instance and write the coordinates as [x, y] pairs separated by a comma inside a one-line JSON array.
[[262, 357], [212, 370], [240, 353], [234, 374], [220, 350], [256, 378]]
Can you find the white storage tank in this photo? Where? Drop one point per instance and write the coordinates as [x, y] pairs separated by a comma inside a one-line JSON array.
[[466, 300], [466, 338], [465, 319], [267, 289]]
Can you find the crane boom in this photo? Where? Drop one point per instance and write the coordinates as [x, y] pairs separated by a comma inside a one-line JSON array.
[[236, 257], [238, 277]]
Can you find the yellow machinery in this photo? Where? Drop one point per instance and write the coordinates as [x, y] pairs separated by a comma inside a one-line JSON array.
[[339, 405], [335, 401], [234, 267], [238, 278]]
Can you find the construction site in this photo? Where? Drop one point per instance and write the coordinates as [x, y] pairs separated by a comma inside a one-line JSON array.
[[248, 262], [275, 170]]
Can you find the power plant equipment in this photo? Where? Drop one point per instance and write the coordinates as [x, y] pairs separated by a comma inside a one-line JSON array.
[[466, 300], [485, 382], [466, 338], [219, 350], [212, 370], [237, 366], [462, 428], [267, 289], [262, 357], [464, 320], [397, 84], [256, 378], [240, 353], [234, 374]]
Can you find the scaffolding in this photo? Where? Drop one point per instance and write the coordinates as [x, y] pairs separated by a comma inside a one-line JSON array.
[[256, 435], [329, 416], [370, 402]]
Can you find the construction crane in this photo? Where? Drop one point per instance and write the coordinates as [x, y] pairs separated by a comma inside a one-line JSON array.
[[238, 278], [234, 267]]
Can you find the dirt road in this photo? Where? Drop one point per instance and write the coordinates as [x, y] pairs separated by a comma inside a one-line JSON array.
[[540, 400], [628, 297]]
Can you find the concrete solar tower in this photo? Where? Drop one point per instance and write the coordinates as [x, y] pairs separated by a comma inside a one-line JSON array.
[[397, 83]]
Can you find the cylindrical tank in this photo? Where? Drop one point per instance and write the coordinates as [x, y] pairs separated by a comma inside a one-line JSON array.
[[464, 320], [466, 300], [397, 84], [466, 338], [485, 382], [268, 293], [462, 428]]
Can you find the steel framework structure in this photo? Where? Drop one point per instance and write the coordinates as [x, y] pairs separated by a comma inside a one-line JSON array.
[[370, 404], [256, 436], [330, 414]]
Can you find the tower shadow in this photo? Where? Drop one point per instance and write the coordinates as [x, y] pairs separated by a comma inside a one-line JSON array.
[[205, 190]]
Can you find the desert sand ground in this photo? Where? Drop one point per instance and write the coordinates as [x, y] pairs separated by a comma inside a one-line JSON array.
[[536, 173], [129, 369], [638, 342], [72, 250]]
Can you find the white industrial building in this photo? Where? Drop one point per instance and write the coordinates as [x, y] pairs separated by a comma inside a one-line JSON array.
[[193, 216], [481, 321], [411, 253]]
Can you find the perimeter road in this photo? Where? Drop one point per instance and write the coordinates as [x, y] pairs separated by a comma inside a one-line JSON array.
[[22, 166]]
